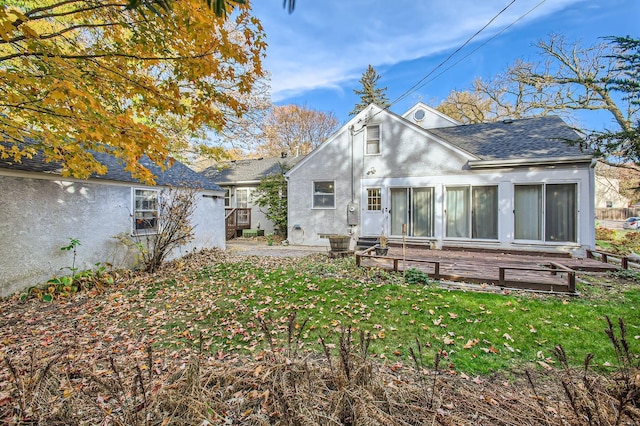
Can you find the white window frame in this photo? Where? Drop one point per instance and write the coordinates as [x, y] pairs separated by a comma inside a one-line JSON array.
[[144, 231], [313, 194], [227, 197], [374, 197], [543, 218], [249, 193], [377, 141], [470, 218]]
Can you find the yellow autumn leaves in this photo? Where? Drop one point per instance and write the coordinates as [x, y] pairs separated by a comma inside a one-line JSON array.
[[79, 77]]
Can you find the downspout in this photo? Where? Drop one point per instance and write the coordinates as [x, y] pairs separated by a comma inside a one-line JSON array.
[[352, 164]]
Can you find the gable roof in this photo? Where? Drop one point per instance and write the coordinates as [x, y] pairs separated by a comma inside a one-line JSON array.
[[176, 175], [248, 171], [528, 138], [431, 117]]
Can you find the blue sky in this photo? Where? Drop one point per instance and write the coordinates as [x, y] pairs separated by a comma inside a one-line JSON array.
[[317, 54]]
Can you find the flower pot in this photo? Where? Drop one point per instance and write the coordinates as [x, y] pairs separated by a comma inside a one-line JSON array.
[[339, 242], [382, 251]]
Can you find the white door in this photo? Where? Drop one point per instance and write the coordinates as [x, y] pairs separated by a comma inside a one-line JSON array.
[[372, 212]]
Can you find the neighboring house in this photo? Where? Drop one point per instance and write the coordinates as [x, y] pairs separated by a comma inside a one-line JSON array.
[[608, 193], [41, 210], [608, 188], [239, 179], [510, 185]]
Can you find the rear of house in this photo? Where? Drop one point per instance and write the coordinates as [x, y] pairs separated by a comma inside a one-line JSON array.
[[239, 179], [41, 211], [512, 185]]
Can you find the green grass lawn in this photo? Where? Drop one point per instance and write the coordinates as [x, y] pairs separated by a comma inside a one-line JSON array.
[[232, 306]]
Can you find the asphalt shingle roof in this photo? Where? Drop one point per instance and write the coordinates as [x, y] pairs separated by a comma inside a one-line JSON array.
[[176, 175], [248, 170], [540, 137]]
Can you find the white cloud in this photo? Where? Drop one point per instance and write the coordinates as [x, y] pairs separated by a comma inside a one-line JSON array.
[[324, 44]]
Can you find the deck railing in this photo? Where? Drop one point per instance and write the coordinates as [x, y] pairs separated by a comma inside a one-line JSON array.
[[237, 219]]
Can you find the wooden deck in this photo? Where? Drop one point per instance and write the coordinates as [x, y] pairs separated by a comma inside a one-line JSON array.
[[532, 272]]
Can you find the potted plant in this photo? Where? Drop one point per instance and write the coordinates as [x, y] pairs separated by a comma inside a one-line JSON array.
[[382, 249], [339, 242]]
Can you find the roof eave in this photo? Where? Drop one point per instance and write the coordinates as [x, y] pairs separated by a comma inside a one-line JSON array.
[[238, 182], [524, 162]]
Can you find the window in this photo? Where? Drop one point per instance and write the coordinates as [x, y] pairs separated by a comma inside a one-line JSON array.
[[609, 204], [243, 198], [145, 211], [546, 212], [374, 199], [458, 212], [323, 195], [414, 207], [227, 197], [373, 140], [484, 212], [472, 212]]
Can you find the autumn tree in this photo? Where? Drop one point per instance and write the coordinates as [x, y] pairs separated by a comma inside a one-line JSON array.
[[494, 100], [83, 76], [271, 194], [370, 92], [295, 129], [603, 77]]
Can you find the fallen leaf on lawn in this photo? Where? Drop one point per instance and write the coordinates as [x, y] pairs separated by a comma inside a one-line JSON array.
[[471, 343], [544, 365]]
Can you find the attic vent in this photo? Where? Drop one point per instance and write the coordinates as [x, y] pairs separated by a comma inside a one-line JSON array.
[[507, 121], [419, 115]]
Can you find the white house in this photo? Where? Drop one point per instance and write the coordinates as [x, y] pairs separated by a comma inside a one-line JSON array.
[[510, 185], [239, 179], [40, 211]]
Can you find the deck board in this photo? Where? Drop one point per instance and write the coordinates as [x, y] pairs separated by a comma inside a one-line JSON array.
[[484, 267]]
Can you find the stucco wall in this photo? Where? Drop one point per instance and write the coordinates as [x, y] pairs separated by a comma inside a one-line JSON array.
[[404, 152], [408, 158], [38, 216]]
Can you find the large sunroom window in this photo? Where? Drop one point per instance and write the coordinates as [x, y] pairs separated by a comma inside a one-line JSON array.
[[546, 212], [472, 212]]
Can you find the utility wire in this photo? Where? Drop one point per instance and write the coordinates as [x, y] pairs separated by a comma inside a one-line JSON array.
[[418, 84]]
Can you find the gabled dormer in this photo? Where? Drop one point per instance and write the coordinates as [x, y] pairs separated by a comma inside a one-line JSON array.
[[428, 118]]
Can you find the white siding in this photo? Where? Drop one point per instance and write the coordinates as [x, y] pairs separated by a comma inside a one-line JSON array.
[[410, 158]]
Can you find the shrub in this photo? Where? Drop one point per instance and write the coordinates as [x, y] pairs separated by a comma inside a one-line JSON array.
[[416, 276], [176, 207]]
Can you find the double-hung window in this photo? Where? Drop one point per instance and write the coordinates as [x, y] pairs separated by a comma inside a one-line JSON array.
[[145, 211], [546, 212], [373, 140], [243, 198], [472, 212], [324, 195]]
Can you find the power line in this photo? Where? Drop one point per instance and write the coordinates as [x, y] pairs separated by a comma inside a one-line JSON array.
[[416, 85], [479, 47]]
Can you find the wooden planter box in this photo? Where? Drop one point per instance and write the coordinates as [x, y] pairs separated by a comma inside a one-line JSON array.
[[339, 242]]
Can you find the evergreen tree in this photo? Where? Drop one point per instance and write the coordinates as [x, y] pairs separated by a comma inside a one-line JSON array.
[[370, 93]]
